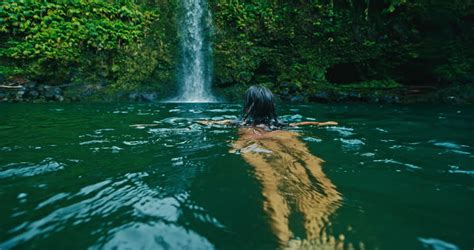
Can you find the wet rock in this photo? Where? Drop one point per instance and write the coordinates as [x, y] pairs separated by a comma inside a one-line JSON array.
[[354, 97], [134, 96], [52, 93], [143, 96], [150, 97], [289, 88], [20, 93], [390, 99], [88, 91], [31, 85], [41, 89], [32, 94], [297, 98], [321, 96], [289, 92], [341, 96]]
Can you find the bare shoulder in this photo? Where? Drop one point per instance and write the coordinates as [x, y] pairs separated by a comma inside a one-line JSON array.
[[284, 134]]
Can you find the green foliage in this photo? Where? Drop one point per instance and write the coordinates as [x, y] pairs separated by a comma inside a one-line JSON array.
[[10, 70], [259, 42], [43, 35], [59, 31]]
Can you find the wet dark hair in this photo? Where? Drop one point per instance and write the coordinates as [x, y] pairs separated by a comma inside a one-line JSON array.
[[259, 107]]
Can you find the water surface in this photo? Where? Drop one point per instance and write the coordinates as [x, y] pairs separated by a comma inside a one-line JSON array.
[[78, 176]]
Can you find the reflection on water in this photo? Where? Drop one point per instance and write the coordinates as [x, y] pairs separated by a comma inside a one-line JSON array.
[[437, 244], [105, 200], [153, 236], [80, 176], [291, 177]]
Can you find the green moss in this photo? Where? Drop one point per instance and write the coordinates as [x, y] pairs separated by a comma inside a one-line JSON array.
[[10, 70]]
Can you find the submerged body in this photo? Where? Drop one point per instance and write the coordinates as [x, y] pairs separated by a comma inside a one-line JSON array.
[[292, 180], [291, 177]]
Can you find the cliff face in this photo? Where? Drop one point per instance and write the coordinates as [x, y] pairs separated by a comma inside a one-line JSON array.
[[315, 50]]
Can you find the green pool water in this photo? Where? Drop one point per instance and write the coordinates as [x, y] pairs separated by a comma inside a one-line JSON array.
[[77, 176]]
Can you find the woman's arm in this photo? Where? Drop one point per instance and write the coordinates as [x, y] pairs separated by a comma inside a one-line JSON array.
[[221, 122], [313, 123]]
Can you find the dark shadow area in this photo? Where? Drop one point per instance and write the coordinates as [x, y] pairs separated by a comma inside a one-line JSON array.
[[265, 72], [414, 72], [418, 72], [344, 73]]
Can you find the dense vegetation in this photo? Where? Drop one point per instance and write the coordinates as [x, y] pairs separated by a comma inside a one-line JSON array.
[[291, 46], [120, 44], [334, 44]]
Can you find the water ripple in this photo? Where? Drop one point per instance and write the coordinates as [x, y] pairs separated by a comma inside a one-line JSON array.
[[155, 235], [93, 142], [391, 161], [134, 143], [343, 131], [449, 145], [437, 244], [351, 144], [26, 169], [107, 198]]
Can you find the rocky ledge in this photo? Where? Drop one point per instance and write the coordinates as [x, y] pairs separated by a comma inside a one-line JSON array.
[[31, 92]]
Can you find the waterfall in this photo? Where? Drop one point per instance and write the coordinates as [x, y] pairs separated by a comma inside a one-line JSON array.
[[195, 68]]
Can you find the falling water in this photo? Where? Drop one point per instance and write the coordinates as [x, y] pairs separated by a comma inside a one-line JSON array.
[[195, 70]]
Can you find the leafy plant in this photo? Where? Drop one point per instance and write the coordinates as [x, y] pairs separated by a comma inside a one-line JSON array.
[[43, 35]]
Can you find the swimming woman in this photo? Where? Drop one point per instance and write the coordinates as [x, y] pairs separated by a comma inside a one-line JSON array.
[[291, 177]]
